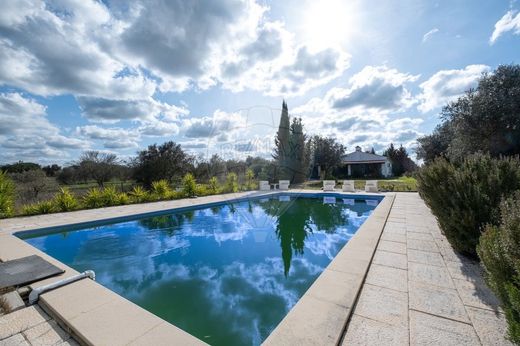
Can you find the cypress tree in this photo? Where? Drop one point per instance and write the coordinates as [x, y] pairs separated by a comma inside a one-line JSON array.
[[298, 162], [282, 146]]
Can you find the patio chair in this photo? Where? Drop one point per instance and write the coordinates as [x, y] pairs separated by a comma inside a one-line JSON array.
[[283, 185], [371, 186], [264, 185], [328, 185], [348, 186]]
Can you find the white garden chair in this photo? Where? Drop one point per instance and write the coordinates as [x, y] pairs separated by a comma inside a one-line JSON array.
[[283, 185], [264, 185], [328, 185], [348, 186], [371, 186]]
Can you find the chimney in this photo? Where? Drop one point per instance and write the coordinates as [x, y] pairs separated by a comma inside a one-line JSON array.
[[358, 148]]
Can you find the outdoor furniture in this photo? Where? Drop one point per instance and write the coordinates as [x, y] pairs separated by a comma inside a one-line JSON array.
[[348, 186], [283, 184], [264, 185], [328, 185], [371, 186]]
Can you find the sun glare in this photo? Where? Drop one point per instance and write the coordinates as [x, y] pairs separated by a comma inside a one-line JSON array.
[[328, 23]]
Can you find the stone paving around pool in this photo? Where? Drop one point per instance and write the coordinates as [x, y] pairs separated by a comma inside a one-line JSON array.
[[32, 326], [418, 291]]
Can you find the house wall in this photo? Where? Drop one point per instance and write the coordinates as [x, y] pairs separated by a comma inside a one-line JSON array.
[[386, 169]]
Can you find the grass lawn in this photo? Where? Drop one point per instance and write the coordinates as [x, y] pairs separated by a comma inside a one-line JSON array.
[[391, 184]]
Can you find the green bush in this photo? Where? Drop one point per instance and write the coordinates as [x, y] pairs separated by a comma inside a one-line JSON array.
[[202, 190], [189, 185], [65, 200], [111, 197], [107, 197], [499, 251], [44, 207], [231, 183], [139, 195], [465, 196], [7, 190], [123, 198], [94, 198], [161, 189], [250, 180], [213, 185]]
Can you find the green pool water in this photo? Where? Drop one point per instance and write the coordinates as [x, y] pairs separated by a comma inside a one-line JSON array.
[[226, 274]]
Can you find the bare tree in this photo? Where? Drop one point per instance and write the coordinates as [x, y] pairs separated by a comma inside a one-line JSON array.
[[101, 167]]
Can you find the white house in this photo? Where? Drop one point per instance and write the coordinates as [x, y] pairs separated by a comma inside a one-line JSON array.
[[361, 164]]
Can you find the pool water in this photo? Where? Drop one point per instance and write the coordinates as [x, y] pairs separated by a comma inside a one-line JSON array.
[[226, 274]]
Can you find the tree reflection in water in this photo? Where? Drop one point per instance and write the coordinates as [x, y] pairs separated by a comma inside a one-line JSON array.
[[297, 219], [293, 220]]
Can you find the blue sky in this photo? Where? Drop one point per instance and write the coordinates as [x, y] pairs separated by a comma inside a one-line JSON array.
[[116, 76]]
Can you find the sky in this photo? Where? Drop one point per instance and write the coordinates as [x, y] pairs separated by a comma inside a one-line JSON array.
[[117, 76]]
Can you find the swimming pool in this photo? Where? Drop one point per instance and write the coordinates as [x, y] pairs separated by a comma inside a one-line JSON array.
[[226, 273]]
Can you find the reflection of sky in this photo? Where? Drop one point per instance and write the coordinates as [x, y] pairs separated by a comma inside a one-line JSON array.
[[217, 272]]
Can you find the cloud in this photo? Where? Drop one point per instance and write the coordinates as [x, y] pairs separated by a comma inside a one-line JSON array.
[[47, 53], [354, 122], [214, 126], [194, 145], [312, 69], [509, 22], [294, 74], [114, 58], [158, 128], [361, 115], [406, 135], [447, 85], [112, 138], [113, 110], [179, 40], [62, 142], [26, 133], [267, 46], [374, 88], [429, 34]]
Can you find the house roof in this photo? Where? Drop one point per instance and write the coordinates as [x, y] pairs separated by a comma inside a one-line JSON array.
[[360, 157]]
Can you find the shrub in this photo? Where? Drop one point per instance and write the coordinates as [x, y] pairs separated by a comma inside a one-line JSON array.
[[189, 185], [231, 183], [161, 189], [499, 251], [65, 200], [465, 196], [123, 198], [213, 185], [139, 195], [202, 190], [111, 197], [98, 198], [31, 184], [44, 207], [94, 198], [7, 189], [250, 180]]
